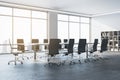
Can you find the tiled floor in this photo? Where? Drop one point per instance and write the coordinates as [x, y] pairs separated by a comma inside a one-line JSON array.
[[30, 70]]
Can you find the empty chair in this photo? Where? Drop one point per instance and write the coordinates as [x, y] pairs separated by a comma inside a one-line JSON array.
[[70, 50], [60, 46], [65, 45], [53, 47], [46, 46], [35, 45], [93, 49], [15, 53], [53, 50], [104, 45], [21, 47], [81, 47]]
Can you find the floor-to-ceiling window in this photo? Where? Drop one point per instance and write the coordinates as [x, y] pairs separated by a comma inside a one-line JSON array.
[[39, 25], [63, 26], [21, 23], [75, 27], [85, 28]]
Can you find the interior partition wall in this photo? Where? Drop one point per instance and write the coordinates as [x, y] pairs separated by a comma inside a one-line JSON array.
[[21, 23]]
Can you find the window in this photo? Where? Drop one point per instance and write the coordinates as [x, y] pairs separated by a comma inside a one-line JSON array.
[[5, 10], [21, 23], [38, 14], [39, 25], [62, 30], [85, 31], [22, 12], [5, 33], [63, 27], [75, 27], [74, 31], [62, 17], [39, 29], [21, 29]]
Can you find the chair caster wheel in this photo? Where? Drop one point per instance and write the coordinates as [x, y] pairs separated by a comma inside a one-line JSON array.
[[21, 62]]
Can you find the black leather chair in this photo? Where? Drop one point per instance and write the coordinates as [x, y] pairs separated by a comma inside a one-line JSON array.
[[104, 45], [70, 50], [45, 41], [81, 47], [65, 45], [68, 53], [94, 49]]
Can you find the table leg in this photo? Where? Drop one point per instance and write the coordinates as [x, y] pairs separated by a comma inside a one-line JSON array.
[[34, 55]]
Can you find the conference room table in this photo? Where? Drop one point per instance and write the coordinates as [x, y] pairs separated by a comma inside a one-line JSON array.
[[34, 48], [35, 52], [46, 44]]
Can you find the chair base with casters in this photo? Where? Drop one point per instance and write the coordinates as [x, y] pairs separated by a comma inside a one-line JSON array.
[[15, 60]]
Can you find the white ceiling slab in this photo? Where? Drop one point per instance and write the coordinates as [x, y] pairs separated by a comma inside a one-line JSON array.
[[93, 7]]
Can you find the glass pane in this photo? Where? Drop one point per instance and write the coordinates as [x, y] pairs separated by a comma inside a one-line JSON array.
[[21, 29], [85, 31], [85, 20], [74, 31], [62, 17], [74, 18], [22, 12], [5, 33], [5, 10], [39, 29], [62, 30], [38, 14]]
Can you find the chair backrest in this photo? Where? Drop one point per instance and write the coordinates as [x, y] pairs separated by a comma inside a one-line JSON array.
[[104, 45], [65, 41], [45, 41], [70, 46], [35, 45], [60, 46], [95, 45], [53, 47], [20, 45], [81, 46]]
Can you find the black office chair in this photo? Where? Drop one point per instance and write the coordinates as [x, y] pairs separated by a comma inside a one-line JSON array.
[[53, 50], [81, 47], [70, 50], [94, 49], [46, 41], [104, 47], [60, 46], [65, 45]]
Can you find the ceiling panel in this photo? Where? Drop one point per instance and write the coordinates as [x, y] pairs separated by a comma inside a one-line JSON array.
[[93, 7]]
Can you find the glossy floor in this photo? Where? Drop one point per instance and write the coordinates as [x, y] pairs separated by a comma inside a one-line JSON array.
[[30, 70]]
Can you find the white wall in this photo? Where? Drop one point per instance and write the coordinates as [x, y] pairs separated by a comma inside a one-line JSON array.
[[97, 27], [52, 23]]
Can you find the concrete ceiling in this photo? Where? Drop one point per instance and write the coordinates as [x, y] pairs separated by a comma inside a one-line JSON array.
[[92, 7], [105, 11]]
